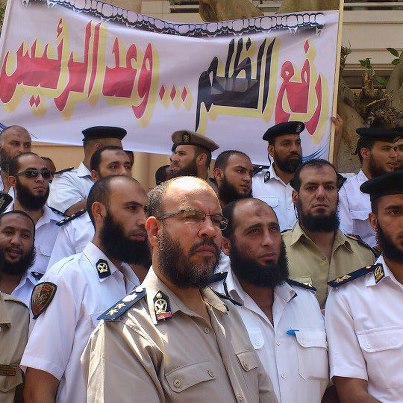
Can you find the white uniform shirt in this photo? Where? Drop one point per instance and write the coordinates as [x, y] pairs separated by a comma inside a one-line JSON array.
[[354, 208], [276, 194], [364, 324], [46, 232], [24, 289], [73, 237], [69, 188], [294, 351], [61, 332]]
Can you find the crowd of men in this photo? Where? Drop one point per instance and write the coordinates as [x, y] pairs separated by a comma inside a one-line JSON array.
[[243, 283]]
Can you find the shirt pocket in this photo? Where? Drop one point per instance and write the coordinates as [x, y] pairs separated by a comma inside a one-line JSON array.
[[256, 338], [9, 382], [183, 378], [271, 200], [361, 225], [312, 354], [383, 347]]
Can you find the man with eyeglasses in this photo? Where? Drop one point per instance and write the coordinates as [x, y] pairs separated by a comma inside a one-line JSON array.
[[72, 295], [174, 339], [30, 178]]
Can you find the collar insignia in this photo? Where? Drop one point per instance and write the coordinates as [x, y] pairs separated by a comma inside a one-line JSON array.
[[162, 307], [266, 177], [103, 268], [379, 273]]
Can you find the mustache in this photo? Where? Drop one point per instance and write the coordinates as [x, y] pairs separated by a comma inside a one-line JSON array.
[[206, 242]]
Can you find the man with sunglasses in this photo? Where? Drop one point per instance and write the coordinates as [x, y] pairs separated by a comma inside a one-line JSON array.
[[30, 178], [178, 341]]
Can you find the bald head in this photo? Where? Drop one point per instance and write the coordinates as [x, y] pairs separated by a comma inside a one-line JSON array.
[[14, 140]]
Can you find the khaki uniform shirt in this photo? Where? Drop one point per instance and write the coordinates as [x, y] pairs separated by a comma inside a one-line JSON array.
[[134, 358], [14, 321], [308, 265]]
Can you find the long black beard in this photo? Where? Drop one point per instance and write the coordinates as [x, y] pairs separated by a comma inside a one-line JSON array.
[[248, 270], [28, 200], [288, 165], [175, 265], [324, 223], [120, 247], [374, 169], [188, 170], [18, 268], [227, 192], [389, 249], [4, 160]]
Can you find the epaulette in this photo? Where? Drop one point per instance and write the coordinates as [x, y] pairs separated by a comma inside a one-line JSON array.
[[64, 170], [301, 285], [71, 218], [346, 278], [286, 230], [117, 310], [56, 211], [226, 297], [10, 298], [362, 243], [216, 277], [259, 168]]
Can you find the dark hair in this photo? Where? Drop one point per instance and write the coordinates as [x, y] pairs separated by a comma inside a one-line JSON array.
[[228, 212], [201, 150], [100, 192], [155, 196], [97, 156], [364, 143], [222, 159], [315, 163], [20, 213], [161, 174], [14, 164]]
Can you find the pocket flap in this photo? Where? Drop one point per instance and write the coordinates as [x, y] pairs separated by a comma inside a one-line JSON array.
[[311, 338], [381, 339], [271, 200], [256, 338], [248, 360], [185, 377]]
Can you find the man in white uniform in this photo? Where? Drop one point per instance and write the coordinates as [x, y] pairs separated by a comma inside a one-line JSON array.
[[70, 187], [364, 320], [282, 317], [272, 185], [377, 151], [75, 291]]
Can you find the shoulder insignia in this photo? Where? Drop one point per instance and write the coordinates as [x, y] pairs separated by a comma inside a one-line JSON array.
[[162, 307], [226, 297], [103, 268], [259, 168], [10, 298], [71, 218], [301, 285], [41, 297], [346, 278], [64, 170], [362, 243], [37, 275], [216, 277], [266, 177], [56, 211], [5, 200], [117, 310]]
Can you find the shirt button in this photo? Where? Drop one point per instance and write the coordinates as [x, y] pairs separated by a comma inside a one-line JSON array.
[[206, 330], [177, 383], [245, 365], [239, 398], [277, 342], [258, 343], [210, 373], [284, 375]]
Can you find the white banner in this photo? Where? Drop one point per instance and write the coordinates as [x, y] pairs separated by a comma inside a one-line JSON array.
[[69, 65]]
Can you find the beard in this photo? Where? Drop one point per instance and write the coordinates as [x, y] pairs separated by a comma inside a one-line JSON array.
[[318, 223], [118, 246], [389, 249], [28, 200], [252, 272], [188, 170], [375, 169], [17, 268], [4, 160], [288, 164], [228, 193], [177, 267]]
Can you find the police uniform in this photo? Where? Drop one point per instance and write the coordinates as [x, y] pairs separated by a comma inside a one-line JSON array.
[[74, 235], [87, 284], [73, 186], [267, 186], [161, 351], [46, 232], [307, 263], [293, 351], [14, 320], [24, 289]]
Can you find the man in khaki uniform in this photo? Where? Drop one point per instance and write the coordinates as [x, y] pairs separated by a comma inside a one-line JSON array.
[[317, 250], [174, 339], [14, 321]]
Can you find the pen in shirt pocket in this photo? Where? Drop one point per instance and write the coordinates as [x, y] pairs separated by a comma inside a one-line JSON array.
[[292, 332]]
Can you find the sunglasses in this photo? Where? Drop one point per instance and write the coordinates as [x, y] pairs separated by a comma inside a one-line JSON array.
[[34, 173]]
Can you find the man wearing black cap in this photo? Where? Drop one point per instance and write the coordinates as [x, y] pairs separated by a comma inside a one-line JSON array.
[[191, 154], [377, 151], [363, 312], [272, 185], [399, 145], [69, 189]]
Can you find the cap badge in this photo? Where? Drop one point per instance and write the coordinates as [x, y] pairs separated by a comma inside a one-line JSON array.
[[186, 137]]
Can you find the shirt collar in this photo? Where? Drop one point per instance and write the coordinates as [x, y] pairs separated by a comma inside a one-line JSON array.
[[94, 254], [361, 177], [83, 171], [370, 281], [47, 216], [273, 174]]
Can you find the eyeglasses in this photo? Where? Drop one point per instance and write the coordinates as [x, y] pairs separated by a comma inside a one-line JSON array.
[[34, 173], [197, 217]]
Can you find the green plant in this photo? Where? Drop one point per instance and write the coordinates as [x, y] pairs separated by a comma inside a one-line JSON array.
[[366, 63], [395, 53]]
